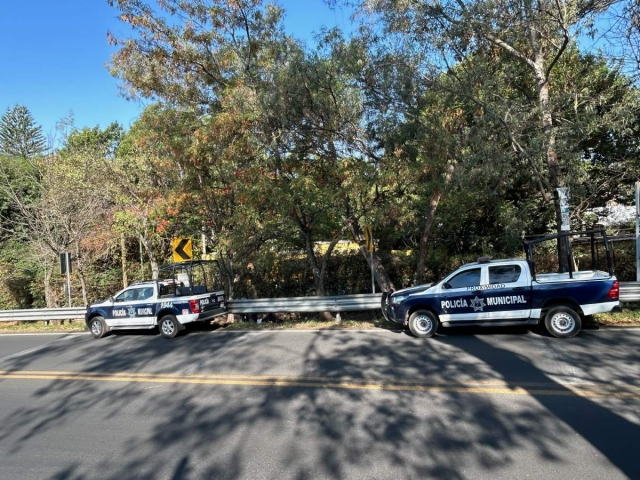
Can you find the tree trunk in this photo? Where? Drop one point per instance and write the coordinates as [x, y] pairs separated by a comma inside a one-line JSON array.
[[83, 283], [555, 177], [48, 297], [152, 259], [428, 223], [380, 273], [319, 271], [123, 257], [312, 260], [226, 264]]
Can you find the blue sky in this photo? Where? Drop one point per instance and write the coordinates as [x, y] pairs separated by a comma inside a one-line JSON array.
[[53, 55]]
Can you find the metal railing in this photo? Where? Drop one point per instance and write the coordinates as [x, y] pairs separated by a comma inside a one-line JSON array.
[[629, 292], [343, 303], [37, 314], [260, 305]]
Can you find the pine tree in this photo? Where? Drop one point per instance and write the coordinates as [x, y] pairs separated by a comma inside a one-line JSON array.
[[20, 136]]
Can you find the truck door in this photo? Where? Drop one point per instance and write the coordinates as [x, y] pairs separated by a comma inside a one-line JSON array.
[[508, 294], [134, 307], [462, 298]]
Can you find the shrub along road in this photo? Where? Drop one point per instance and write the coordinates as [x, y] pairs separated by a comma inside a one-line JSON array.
[[320, 404]]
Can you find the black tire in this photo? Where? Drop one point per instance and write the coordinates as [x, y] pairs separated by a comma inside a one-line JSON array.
[[562, 322], [98, 327], [169, 326], [423, 323]]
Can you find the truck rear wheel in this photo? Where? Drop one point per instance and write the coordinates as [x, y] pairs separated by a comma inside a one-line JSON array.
[[562, 322], [169, 326], [423, 323]]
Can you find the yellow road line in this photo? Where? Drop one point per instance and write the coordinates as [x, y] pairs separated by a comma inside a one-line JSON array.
[[249, 380], [341, 380]]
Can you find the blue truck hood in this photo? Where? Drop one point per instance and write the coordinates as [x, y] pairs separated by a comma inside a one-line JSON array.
[[412, 290]]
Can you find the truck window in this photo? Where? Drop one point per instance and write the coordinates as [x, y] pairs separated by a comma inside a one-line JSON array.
[[199, 280], [134, 294], [145, 293], [504, 274], [468, 278]]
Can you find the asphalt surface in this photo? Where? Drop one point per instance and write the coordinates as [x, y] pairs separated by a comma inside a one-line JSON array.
[[320, 404]]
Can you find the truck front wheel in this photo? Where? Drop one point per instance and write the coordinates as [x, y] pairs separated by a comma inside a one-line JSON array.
[[423, 323], [562, 322], [98, 327]]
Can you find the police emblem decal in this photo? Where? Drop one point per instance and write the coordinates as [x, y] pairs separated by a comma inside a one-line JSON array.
[[132, 312], [478, 304]]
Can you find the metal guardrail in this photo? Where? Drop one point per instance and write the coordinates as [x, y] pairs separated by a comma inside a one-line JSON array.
[[260, 305], [343, 303], [629, 292], [36, 314]]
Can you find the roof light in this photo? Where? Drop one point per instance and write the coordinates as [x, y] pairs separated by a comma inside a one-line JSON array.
[[484, 259]]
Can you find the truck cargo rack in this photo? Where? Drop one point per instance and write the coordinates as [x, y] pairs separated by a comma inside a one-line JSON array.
[[564, 239]]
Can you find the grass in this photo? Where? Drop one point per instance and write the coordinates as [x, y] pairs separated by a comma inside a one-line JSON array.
[[313, 325], [626, 318], [42, 327]]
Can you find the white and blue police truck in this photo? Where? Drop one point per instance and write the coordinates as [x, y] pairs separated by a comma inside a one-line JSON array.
[[511, 292], [183, 293]]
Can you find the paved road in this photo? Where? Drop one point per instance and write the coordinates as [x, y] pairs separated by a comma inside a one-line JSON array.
[[322, 404]]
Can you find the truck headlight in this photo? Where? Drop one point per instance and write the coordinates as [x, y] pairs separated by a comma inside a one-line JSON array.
[[398, 299]]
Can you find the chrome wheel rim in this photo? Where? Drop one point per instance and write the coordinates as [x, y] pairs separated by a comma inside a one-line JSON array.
[[423, 324], [167, 327], [563, 322], [96, 327]]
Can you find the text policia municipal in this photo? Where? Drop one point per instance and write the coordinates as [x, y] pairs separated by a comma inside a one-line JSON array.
[[479, 302]]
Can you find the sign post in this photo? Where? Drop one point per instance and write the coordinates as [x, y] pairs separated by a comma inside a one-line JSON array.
[[563, 196], [182, 249], [368, 240]]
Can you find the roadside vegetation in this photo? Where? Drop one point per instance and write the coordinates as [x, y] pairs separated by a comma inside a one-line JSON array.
[[447, 130]]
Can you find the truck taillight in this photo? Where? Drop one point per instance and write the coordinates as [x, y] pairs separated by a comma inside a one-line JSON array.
[[195, 305], [614, 292]]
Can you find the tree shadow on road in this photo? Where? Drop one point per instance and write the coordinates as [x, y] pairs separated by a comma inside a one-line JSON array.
[[229, 432]]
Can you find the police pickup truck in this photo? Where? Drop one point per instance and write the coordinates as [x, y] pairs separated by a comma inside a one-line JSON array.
[[182, 294], [509, 292]]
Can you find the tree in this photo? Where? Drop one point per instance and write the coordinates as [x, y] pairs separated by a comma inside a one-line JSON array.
[[105, 141], [19, 134], [535, 35]]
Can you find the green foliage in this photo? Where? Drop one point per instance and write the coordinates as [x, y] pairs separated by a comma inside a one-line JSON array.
[[94, 140], [422, 125], [20, 136]]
